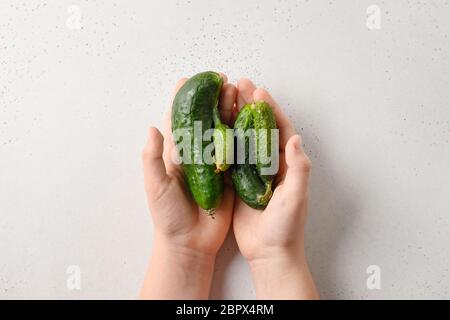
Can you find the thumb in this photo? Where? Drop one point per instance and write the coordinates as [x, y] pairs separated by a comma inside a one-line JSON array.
[[154, 169], [298, 166]]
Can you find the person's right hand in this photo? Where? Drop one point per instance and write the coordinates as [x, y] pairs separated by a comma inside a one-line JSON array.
[[185, 238], [272, 240]]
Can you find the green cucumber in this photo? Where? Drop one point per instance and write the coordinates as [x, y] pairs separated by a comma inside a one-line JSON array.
[[223, 143], [263, 120], [195, 101], [252, 187]]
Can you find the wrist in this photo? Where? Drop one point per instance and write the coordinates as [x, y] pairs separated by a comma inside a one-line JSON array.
[[268, 261], [282, 273], [183, 255], [177, 272]]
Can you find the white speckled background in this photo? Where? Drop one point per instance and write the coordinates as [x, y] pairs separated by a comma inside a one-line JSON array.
[[373, 107]]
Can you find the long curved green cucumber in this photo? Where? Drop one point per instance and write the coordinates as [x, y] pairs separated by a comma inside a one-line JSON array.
[[195, 101]]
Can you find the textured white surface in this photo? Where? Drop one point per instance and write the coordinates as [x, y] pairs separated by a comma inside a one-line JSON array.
[[373, 107]]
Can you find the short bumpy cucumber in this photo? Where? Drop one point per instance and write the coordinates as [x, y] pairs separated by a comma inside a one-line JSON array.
[[196, 101], [252, 187]]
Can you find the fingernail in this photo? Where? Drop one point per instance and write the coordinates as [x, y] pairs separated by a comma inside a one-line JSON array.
[[297, 140], [296, 143], [149, 132]]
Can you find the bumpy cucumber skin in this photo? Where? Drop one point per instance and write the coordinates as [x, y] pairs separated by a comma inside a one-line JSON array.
[[254, 189], [222, 149], [263, 119], [249, 185], [195, 102]]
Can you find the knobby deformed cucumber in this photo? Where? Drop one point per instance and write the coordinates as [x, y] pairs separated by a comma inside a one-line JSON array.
[[254, 188], [196, 101]]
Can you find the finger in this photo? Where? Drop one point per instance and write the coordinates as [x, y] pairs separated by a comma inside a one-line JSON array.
[[169, 145], [281, 170], [245, 92], [154, 169], [224, 77], [227, 99], [285, 126], [298, 167]]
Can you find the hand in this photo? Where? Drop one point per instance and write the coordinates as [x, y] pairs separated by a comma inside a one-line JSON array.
[[186, 240], [272, 240]]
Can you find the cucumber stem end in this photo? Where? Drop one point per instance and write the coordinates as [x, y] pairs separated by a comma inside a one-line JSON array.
[[263, 199], [211, 212]]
